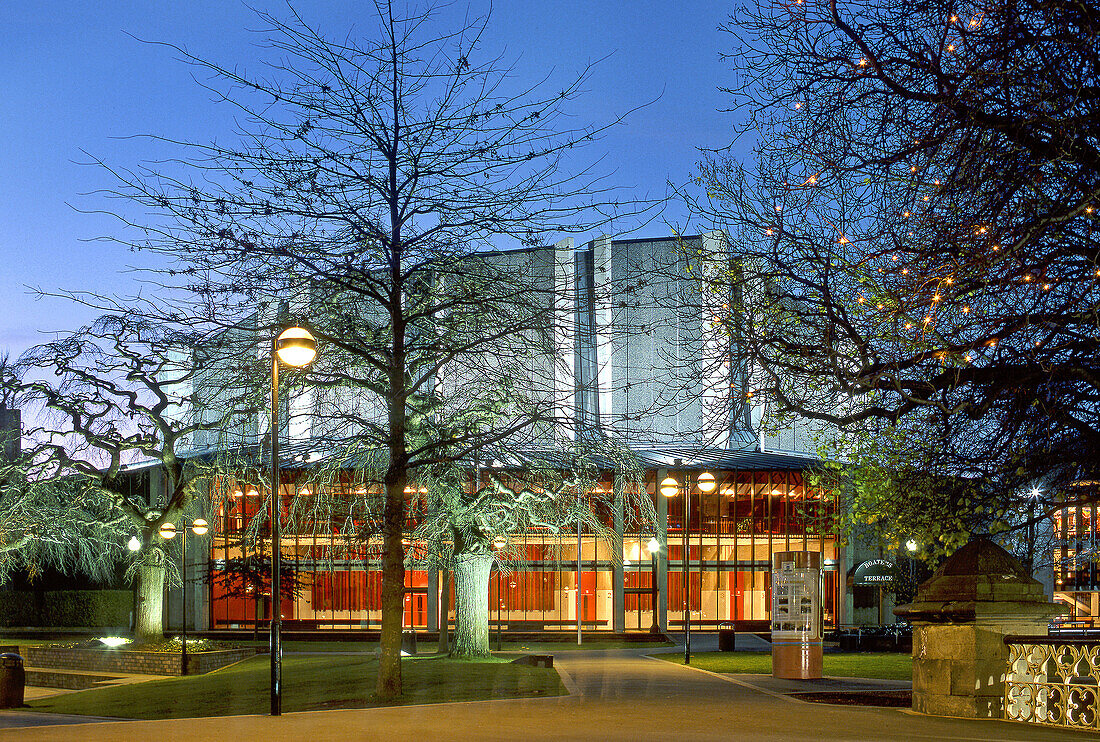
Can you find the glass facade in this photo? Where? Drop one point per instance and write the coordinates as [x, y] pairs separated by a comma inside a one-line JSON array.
[[1076, 571], [730, 536]]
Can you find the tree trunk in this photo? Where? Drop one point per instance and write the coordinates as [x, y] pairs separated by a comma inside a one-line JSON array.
[[444, 612], [471, 579], [393, 587], [149, 612]]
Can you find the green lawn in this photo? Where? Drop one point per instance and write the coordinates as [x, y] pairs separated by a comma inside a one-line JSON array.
[[313, 646], [886, 665], [308, 683]]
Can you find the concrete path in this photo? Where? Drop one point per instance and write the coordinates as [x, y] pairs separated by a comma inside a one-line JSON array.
[[616, 695]]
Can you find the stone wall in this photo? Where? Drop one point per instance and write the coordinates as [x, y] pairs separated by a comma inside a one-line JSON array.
[[132, 661]]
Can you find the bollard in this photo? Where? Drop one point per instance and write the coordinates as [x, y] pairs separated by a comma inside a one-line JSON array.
[[12, 680]]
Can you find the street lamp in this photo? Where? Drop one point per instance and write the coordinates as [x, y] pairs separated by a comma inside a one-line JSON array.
[[294, 346], [912, 546], [653, 547], [168, 531], [669, 488]]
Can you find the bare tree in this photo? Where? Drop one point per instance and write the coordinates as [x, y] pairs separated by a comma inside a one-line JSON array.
[[371, 179], [919, 234], [119, 392]]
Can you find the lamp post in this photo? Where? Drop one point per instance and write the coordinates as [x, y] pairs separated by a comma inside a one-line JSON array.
[[669, 488], [168, 531], [653, 547], [295, 346], [912, 547]]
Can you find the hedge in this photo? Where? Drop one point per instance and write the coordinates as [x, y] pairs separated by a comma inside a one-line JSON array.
[[66, 608]]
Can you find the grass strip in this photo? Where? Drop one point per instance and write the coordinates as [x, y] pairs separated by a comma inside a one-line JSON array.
[[883, 665], [309, 683]]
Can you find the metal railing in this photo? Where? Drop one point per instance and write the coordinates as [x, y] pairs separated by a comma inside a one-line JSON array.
[[1053, 681]]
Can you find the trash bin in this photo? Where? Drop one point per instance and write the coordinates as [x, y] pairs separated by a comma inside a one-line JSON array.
[[408, 642], [727, 637], [12, 680]]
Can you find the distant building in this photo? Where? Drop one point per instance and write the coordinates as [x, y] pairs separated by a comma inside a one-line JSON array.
[[652, 367]]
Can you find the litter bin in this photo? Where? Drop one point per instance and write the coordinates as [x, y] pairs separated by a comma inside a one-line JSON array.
[[408, 642], [12, 680], [727, 637]]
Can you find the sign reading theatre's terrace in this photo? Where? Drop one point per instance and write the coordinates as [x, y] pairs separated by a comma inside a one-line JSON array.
[[874, 573]]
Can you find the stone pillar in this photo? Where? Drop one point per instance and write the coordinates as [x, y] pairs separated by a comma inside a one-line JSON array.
[[662, 555], [960, 617]]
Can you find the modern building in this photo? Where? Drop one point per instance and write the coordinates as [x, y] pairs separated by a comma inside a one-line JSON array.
[[652, 367]]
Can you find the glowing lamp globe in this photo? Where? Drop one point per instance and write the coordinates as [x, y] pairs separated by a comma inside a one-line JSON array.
[[134, 544], [706, 482], [199, 527], [653, 546], [168, 530], [669, 486], [296, 347]]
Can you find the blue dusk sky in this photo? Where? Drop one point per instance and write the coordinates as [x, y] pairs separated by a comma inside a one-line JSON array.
[[78, 78]]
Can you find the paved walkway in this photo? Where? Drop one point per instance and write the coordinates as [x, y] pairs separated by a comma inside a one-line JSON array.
[[615, 695]]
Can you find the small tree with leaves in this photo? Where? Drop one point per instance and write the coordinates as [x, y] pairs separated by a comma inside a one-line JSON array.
[[118, 392]]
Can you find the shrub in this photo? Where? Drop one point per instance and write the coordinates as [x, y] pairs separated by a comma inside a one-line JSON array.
[[66, 608]]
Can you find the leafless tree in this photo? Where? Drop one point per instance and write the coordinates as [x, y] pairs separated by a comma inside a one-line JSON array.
[[919, 234], [371, 183]]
